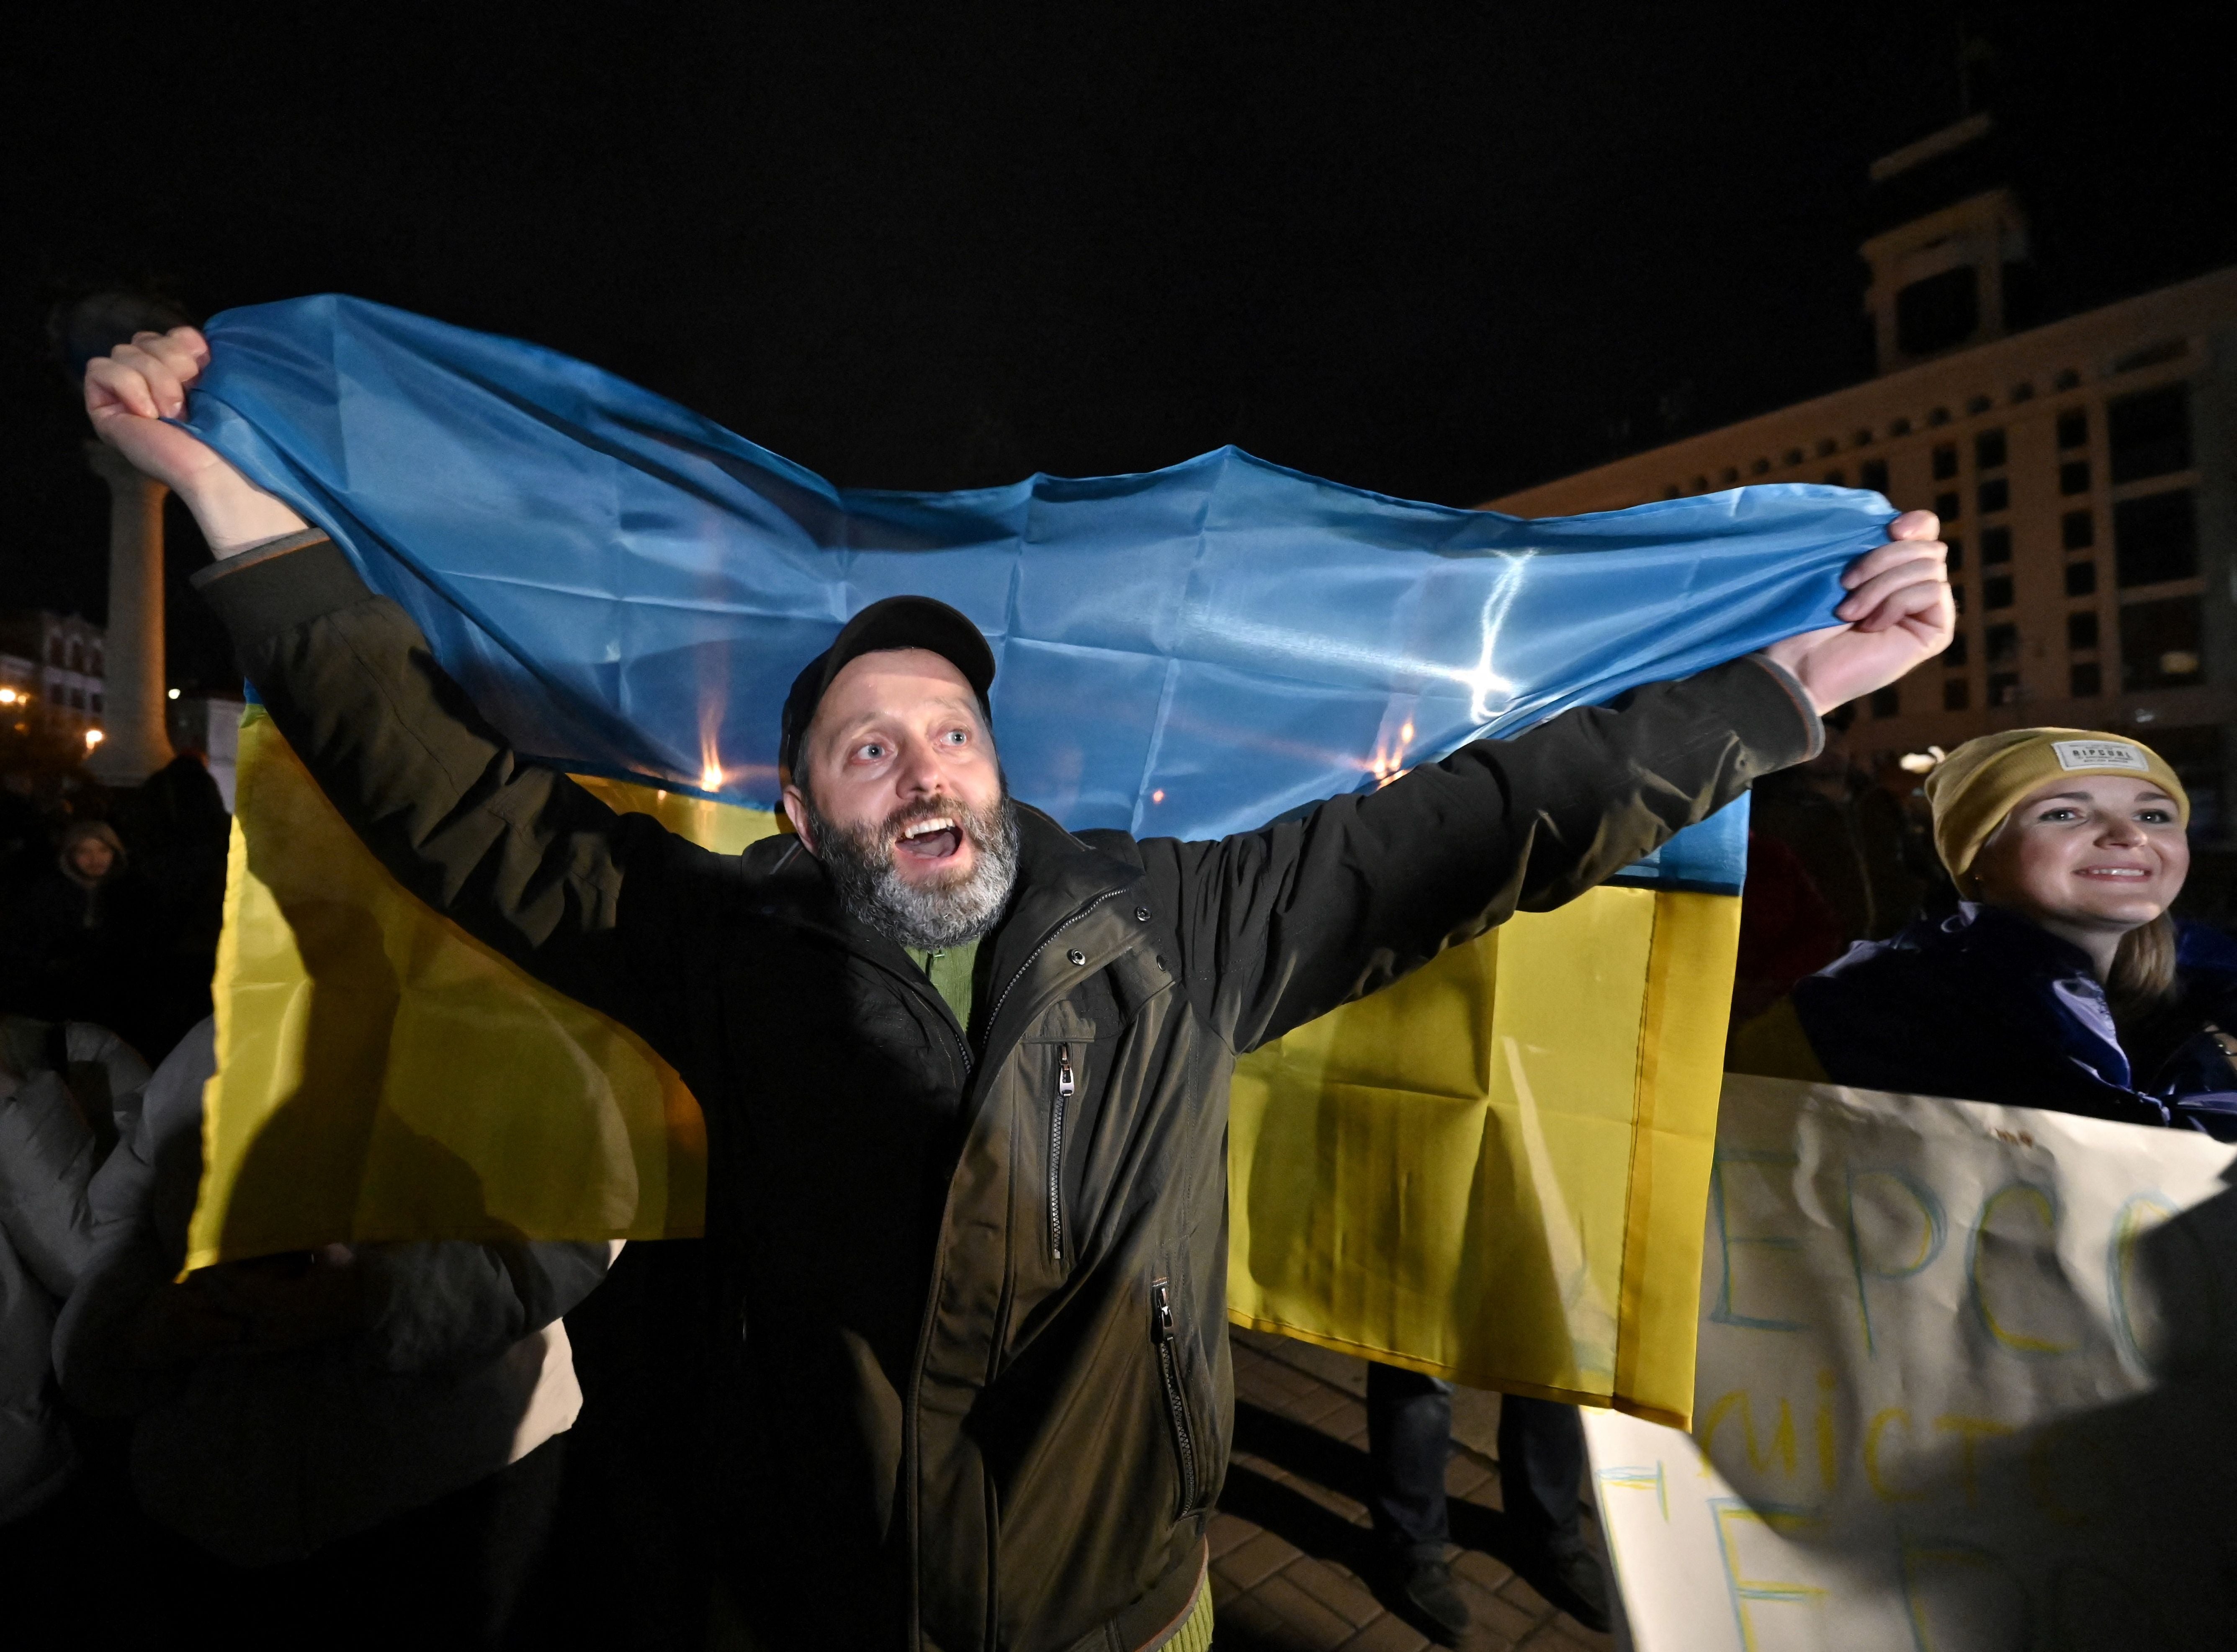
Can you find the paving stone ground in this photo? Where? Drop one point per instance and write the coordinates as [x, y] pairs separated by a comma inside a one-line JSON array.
[[1290, 1536]]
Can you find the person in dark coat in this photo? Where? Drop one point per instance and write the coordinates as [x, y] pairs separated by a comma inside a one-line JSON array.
[[964, 1071], [2061, 981], [1848, 834], [1787, 928], [65, 1093], [84, 943], [380, 1425], [177, 823]]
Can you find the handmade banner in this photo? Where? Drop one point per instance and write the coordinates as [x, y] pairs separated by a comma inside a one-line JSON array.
[[1965, 1383], [627, 591]]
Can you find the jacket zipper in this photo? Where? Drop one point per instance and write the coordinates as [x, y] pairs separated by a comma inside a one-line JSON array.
[[1003, 997], [1169, 1367], [1064, 1085]]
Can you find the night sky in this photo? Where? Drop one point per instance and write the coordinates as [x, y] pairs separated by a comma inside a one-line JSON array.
[[1441, 252]]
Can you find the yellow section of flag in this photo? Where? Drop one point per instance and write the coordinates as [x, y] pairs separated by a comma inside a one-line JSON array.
[[1494, 1171]]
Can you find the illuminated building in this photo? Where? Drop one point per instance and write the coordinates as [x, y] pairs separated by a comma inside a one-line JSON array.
[[2085, 472]]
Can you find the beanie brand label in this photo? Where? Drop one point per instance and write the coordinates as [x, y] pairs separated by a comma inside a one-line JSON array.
[[2100, 754]]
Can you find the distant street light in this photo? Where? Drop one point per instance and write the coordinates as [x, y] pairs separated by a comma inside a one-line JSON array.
[[92, 737], [171, 694], [8, 697]]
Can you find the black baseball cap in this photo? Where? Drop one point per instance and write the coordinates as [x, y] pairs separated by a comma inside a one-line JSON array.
[[891, 622]]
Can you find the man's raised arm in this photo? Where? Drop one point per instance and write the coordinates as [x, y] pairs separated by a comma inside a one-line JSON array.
[[1284, 924], [517, 854]]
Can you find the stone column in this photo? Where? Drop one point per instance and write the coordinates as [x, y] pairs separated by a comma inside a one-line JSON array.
[[136, 742]]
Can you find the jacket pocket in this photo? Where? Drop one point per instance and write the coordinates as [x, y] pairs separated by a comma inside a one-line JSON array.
[[1164, 1332]]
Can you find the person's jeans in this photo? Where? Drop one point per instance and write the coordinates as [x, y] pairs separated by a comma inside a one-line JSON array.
[[1409, 1431]]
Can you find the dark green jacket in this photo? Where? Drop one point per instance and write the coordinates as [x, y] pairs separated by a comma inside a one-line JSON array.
[[984, 1323]]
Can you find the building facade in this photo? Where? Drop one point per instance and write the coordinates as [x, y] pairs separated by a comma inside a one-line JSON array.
[[2086, 476], [52, 675]]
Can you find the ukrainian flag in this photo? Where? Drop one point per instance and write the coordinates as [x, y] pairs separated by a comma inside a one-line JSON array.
[[1495, 1170]]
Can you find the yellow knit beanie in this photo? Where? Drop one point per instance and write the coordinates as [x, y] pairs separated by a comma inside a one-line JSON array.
[[1975, 786]]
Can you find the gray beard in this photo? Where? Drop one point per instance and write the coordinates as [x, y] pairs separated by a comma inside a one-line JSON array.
[[922, 918]]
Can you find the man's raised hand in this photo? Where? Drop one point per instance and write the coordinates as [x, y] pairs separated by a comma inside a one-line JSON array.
[[129, 394], [1898, 613]]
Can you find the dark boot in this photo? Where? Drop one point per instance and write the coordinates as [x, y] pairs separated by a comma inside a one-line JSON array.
[[1569, 1575], [1419, 1589]]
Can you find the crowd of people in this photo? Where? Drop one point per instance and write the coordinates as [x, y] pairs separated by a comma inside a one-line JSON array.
[[396, 1419], [810, 1428]]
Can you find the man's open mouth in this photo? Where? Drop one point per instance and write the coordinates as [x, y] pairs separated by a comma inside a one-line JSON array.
[[934, 839]]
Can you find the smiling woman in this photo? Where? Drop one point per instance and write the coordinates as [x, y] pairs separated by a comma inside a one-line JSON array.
[[2061, 981]]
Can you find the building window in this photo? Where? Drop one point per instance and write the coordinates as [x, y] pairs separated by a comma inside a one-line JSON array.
[[1996, 547], [2155, 538], [1701, 483], [1885, 702], [1732, 475], [2081, 578], [2081, 633], [1872, 474], [1937, 416], [1996, 593], [1957, 599], [1956, 552], [78, 699], [1901, 427], [1954, 654], [2160, 644], [2023, 391], [1989, 450], [97, 700], [1825, 447], [54, 651], [76, 655], [1938, 312], [1836, 479], [94, 668], [1979, 404], [2150, 435], [1996, 494], [2077, 530], [1793, 456], [2003, 688], [2004, 644], [2073, 428], [2150, 356], [1761, 467], [2073, 477], [1957, 694], [2085, 679], [1945, 461], [1947, 507]]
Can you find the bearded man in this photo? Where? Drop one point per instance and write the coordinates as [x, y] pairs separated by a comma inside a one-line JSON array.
[[965, 1073]]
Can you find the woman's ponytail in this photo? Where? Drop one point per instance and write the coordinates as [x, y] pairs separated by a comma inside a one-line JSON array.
[[2143, 969]]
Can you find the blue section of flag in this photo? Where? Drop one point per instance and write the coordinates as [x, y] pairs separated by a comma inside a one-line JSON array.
[[628, 589]]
